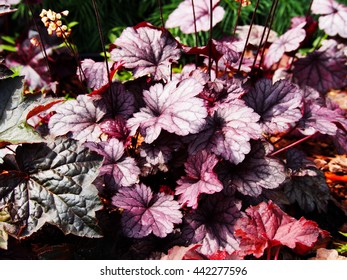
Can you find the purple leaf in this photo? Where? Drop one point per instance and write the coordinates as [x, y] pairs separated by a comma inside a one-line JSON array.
[[228, 132], [200, 178], [80, 116], [5, 8], [145, 212], [333, 17], [32, 63], [123, 169], [147, 51], [118, 102], [317, 118], [183, 16], [94, 72], [289, 41], [321, 70], [115, 128], [255, 173], [212, 224], [173, 107], [279, 104]]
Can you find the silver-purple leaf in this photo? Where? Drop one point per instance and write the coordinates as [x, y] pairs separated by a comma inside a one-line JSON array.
[[81, 117], [279, 104], [123, 169], [200, 178], [173, 107], [255, 173], [228, 132], [183, 16], [147, 51], [212, 224], [333, 17], [145, 212], [94, 72]]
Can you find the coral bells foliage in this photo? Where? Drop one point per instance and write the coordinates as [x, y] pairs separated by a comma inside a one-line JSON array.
[[188, 157]]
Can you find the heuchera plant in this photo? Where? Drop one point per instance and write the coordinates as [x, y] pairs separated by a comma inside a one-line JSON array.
[[201, 159]]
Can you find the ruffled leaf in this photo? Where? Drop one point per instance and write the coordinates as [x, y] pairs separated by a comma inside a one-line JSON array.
[[228, 132], [145, 212], [53, 184], [212, 224], [147, 51], [183, 16], [200, 178], [94, 72], [80, 116], [123, 169], [278, 104], [173, 107], [255, 173]]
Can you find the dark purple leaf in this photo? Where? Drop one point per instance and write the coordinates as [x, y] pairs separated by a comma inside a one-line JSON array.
[[267, 226], [158, 153], [32, 64], [117, 102], [173, 107], [333, 17], [123, 169], [145, 212], [228, 132], [212, 224], [183, 16], [80, 116], [147, 51], [255, 173], [340, 141], [52, 184], [321, 70], [279, 104], [289, 41], [200, 179], [94, 72]]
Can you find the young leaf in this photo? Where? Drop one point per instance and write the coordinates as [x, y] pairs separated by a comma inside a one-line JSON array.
[[200, 178], [147, 51], [80, 116], [145, 212], [14, 108], [228, 132], [333, 17], [52, 185], [173, 107], [183, 16], [123, 169], [278, 104], [255, 173], [212, 224], [267, 226]]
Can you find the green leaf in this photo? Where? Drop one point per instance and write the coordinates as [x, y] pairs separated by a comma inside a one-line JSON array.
[[52, 184], [13, 110]]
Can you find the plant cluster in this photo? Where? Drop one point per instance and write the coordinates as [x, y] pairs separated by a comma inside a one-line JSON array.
[[162, 158]]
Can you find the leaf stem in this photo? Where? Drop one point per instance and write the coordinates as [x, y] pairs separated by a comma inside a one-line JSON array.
[[292, 145], [161, 14], [248, 35], [237, 18], [210, 40], [196, 34]]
